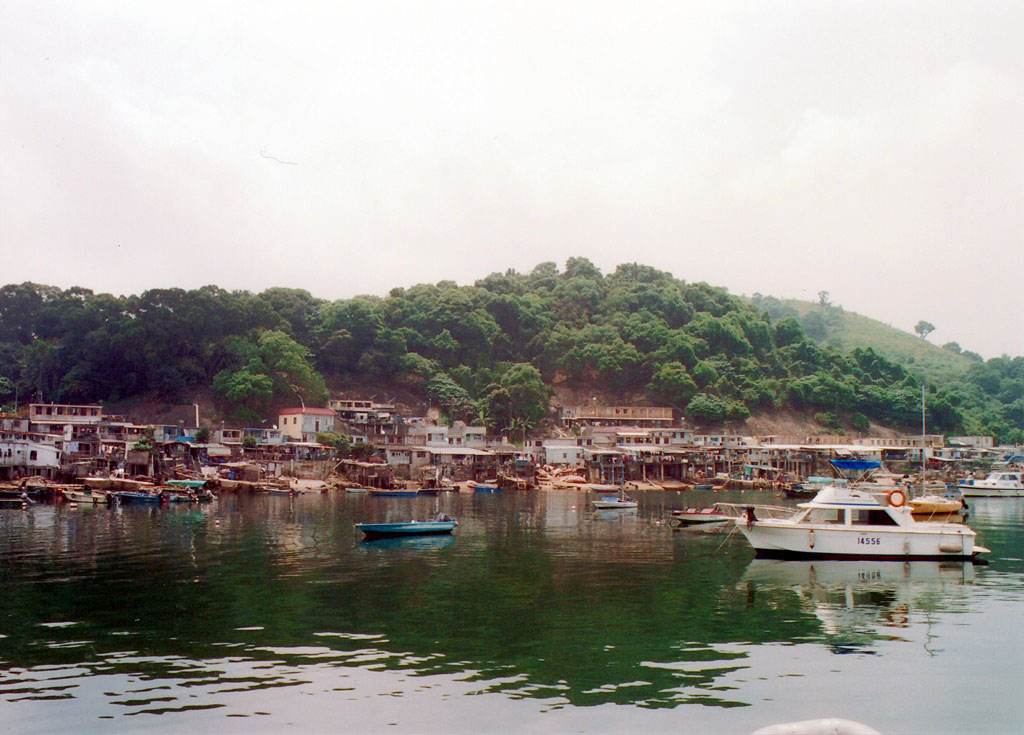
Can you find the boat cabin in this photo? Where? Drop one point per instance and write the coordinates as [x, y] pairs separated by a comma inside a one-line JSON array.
[[845, 506]]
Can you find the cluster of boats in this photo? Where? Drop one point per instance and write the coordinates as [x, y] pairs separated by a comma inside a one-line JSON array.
[[104, 493], [861, 519]]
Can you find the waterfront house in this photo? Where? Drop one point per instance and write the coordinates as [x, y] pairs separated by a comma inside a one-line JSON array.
[[29, 453]]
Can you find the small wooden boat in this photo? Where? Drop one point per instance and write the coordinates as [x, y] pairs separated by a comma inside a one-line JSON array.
[[700, 517], [443, 524], [357, 490], [86, 496], [937, 508]]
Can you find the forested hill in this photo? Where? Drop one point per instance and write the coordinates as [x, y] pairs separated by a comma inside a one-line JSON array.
[[488, 352]]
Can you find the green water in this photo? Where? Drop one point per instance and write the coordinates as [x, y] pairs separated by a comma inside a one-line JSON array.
[[264, 614]]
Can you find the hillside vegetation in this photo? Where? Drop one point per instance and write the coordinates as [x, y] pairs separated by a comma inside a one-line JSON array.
[[491, 352], [833, 326]]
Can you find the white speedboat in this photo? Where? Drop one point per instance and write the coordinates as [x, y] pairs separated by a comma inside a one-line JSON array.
[[700, 517], [996, 485], [854, 523], [611, 502]]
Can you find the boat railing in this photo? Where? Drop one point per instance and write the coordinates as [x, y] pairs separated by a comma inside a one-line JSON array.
[[761, 512]]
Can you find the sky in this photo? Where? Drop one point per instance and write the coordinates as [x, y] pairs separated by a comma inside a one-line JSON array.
[[873, 150]]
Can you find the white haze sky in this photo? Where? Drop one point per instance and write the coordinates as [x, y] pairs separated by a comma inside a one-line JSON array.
[[871, 149]]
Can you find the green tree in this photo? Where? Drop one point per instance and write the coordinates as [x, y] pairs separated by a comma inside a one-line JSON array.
[[924, 328], [672, 384], [860, 422], [247, 391], [706, 408], [288, 364]]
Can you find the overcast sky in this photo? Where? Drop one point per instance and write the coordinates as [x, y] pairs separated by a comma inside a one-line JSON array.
[[873, 150]]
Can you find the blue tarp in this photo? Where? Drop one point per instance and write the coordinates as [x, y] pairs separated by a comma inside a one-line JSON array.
[[856, 465]]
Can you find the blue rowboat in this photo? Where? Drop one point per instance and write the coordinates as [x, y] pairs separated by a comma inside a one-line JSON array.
[[394, 493], [411, 528], [131, 497]]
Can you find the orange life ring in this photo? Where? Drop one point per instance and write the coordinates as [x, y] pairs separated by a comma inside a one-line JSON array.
[[897, 498]]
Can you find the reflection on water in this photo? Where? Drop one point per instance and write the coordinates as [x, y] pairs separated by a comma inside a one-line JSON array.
[[859, 602], [409, 542], [252, 607]]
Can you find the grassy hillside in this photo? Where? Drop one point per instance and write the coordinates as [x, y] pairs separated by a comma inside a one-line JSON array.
[[844, 330]]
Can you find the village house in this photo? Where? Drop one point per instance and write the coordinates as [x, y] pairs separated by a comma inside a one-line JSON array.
[[303, 424], [29, 453]]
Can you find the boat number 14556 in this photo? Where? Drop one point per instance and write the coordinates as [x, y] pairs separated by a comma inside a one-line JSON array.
[[869, 540]]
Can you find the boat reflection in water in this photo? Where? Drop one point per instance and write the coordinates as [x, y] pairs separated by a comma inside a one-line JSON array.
[[408, 542], [859, 602]]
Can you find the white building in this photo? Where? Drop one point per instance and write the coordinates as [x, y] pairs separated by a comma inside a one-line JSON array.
[[456, 435], [303, 424], [565, 451], [23, 454]]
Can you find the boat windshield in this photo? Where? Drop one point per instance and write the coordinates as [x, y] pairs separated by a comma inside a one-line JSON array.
[[825, 515], [872, 517]]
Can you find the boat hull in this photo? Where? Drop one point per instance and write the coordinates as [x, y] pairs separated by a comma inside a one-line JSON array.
[[394, 493], [138, 498], [79, 496], [425, 528], [981, 491], [781, 540], [614, 504], [700, 518]]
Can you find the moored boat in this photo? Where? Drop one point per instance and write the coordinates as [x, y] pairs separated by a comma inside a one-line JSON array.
[[86, 496], [441, 525], [701, 517], [488, 486], [611, 502], [378, 492], [996, 485], [937, 508], [128, 497], [850, 523]]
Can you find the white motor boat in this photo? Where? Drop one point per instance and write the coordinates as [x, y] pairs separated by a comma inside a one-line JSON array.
[[854, 523], [612, 502], [701, 517], [996, 485]]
